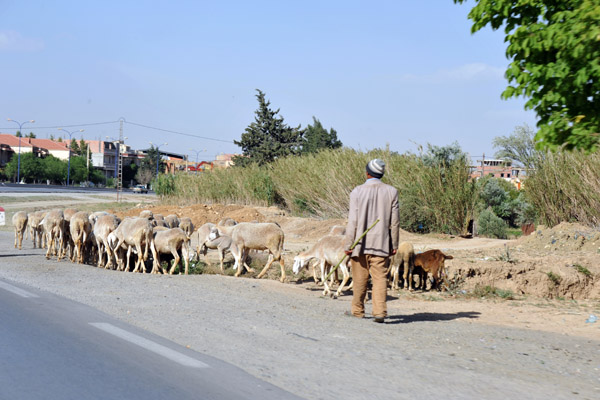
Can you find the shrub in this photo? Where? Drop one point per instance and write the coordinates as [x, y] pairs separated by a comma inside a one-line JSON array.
[[489, 224]]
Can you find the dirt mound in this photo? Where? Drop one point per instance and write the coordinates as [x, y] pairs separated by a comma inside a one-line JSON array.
[[563, 237], [556, 276]]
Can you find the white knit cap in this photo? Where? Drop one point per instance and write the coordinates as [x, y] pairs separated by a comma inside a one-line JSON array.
[[376, 168]]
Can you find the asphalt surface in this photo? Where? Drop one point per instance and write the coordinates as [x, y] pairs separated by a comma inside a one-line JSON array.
[[54, 348]]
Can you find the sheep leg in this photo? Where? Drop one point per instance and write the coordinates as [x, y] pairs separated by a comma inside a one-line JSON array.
[[345, 277], [139, 264], [221, 258], [245, 257], [175, 254], [156, 268], [128, 257], [267, 266], [281, 263], [314, 269], [185, 252], [324, 271]]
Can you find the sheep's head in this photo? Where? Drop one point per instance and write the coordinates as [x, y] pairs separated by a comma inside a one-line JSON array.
[[299, 264], [214, 233]]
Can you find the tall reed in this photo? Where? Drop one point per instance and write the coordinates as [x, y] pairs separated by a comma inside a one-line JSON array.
[[565, 186], [431, 198]]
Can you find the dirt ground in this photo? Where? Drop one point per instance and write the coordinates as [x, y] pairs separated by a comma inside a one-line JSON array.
[[548, 281]]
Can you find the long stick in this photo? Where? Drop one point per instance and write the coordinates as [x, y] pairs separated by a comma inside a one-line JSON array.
[[351, 248]]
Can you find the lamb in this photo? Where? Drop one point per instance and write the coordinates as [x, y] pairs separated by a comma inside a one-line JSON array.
[[36, 231], [222, 243], [136, 232], [172, 221], [172, 241], [431, 262], [203, 233], [403, 257], [104, 225], [19, 221], [80, 229], [54, 229], [187, 226], [260, 236], [329, 250]]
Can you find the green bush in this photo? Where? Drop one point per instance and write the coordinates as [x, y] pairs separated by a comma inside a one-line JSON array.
[[490, 225]]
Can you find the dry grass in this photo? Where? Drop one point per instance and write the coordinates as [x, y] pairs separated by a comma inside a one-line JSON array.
[[437, 199], [565, 186]]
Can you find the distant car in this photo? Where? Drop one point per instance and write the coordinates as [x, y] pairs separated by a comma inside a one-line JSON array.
[[140, 189]]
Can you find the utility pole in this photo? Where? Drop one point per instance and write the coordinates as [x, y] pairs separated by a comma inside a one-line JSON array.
[[120, 160], [483, 166]]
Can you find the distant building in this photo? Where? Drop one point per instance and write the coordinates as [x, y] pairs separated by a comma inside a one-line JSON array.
[[224, 160], [499, 169]]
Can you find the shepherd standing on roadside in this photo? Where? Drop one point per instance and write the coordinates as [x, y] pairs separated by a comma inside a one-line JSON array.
[[368, 202]]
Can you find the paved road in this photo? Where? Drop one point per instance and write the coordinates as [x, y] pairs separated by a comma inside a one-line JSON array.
[[53, 189], [53, 348]]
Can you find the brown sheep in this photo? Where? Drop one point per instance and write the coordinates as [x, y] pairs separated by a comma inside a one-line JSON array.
[[431, 262], [404, 257], [19, 221]]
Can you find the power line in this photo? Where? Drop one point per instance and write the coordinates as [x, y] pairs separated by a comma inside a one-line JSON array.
[[33, 127], [179, 133], [127, 122]]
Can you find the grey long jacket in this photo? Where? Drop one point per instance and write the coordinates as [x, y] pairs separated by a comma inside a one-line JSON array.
[[368, 202]]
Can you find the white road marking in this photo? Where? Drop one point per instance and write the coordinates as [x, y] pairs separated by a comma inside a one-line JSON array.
[[16, 290], [150, 345]]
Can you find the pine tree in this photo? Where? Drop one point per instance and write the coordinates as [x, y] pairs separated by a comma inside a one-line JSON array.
[[268, 137], [316, 138]]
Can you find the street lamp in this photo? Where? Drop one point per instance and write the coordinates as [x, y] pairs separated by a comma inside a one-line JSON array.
[[21, 134], [197, 152], [69, 165], [158, 155]]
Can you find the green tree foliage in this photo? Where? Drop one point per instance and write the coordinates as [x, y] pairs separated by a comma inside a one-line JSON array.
[[149, 162], [506, 202], [31, 168], [519, 147], [316, 138], [55, 169], [555, 51], [268, 137], [489, 224], [74, 147], [79, 169], [18, 134], [31, 135], [443, 156]]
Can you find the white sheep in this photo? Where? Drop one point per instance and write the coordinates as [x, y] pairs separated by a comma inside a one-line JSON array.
[[248, 236], [329, 250]]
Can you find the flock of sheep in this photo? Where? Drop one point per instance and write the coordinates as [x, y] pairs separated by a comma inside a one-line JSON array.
[[102, 239]]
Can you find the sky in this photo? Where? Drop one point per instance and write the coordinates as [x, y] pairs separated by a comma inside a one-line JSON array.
[[381, 73]]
